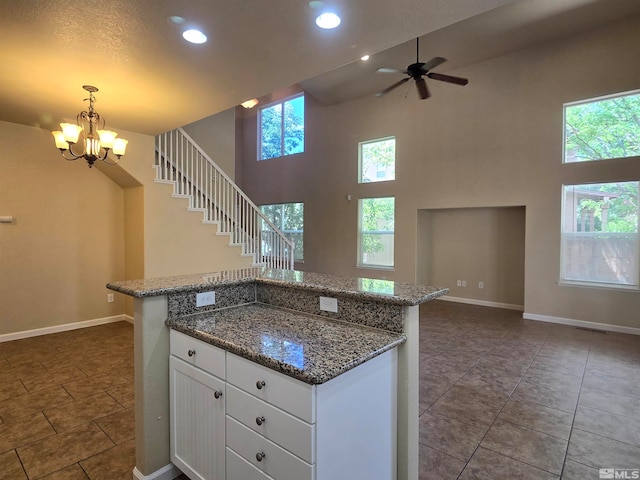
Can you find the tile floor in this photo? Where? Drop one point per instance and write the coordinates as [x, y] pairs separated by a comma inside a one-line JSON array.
[[501, 398], [66, 405]]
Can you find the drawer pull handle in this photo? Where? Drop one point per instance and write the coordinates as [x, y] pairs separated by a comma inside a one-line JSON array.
[[260, 384], [191, 353], [259, 420], [217, 394], [260, 456]]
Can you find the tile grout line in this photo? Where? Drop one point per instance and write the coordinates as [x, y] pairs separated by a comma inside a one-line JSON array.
[[501, 409]]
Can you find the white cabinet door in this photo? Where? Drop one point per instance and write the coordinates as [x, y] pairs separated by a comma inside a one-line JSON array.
[[197, 421]]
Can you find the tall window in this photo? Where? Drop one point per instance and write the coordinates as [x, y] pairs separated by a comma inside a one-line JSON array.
[[600, 234], [376, 232], [377, 160], [289, 218], [282, 128], [602, 128]]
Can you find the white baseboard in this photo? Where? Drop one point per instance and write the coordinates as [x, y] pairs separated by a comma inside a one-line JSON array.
[[483, 303], [168, 472], [7, 337], [127, 318], [581, 323]]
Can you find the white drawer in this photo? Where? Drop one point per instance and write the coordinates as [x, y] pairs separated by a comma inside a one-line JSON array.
[[288, 431], [289, 394], [239, 469], [198, 353], [276, 461]]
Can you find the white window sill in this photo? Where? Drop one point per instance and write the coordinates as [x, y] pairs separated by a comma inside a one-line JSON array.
[[600, 286], [376, 267]]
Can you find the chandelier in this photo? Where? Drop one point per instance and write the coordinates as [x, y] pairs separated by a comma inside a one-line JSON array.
[[95, 143]]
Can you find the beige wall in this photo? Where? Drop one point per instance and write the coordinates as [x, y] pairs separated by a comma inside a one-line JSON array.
[[474, 245], [216, 136], [175, 242], [77, 229], [67, 239], [496, 142]]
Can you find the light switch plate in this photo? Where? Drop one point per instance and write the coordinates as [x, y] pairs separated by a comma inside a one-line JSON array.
[[204, 299]]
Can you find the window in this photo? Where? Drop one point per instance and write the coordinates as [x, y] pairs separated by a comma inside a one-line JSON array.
[[282, 128], [377, 160], [289, 218], [602, 128], [376, 232], [600, 234]]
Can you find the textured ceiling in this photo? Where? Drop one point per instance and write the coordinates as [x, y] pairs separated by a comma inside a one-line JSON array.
[[151, 81]]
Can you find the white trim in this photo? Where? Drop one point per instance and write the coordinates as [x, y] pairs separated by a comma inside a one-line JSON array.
[[7, 337], [127, 318], [581, 323], [168, 472], [484, 303]]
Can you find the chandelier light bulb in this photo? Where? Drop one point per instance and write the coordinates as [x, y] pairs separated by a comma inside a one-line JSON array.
[[71, 132]]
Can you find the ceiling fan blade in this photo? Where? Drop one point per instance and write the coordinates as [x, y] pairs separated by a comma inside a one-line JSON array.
[[433, 63], [391, 87], [448, 78], [389, 70], [423, 90]]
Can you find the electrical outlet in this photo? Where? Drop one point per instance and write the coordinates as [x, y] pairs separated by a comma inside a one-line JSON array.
[[329, 304], [480, 285], [110, 298], [464, 283], [459, 283], [205, 298]]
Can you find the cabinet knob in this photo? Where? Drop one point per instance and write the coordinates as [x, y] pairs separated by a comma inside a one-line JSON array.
[[191, 353], [260, 456], [260, 384], [259, 420], [217, 394]]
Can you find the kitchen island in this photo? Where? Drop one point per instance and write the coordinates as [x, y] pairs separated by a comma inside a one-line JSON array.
[[382, 309]]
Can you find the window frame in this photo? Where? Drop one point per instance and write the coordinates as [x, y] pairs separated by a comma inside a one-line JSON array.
[[282, 130], [360, 263], [584, 102], [376, 140], [562, 280]]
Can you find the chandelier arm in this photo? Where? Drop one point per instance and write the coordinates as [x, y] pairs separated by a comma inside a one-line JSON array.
[[74, 156], [110, 161]]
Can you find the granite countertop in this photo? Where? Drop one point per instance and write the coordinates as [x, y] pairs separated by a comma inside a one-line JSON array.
[[383, 291], [305, 347]]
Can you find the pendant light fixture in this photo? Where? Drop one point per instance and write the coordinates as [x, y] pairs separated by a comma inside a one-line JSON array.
[[87, 138]]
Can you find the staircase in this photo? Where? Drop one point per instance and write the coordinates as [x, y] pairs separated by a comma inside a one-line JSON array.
[[181, 162]]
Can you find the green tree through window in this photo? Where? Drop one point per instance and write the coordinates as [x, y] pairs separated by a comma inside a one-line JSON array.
[[289, 218], [601, 129], [377, 160], [282, 133], [377, 223]]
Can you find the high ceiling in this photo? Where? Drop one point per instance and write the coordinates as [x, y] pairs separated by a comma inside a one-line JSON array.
[[151, 80]]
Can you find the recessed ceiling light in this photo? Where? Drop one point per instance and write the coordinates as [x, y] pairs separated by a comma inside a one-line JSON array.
[[364, 58], [194, 36], [328, 20], [178, 20]]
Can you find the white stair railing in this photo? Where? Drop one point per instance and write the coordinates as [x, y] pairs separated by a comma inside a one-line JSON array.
[[180, 161]]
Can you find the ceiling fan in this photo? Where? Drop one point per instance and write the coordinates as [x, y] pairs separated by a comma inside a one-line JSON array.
[[417, 71]]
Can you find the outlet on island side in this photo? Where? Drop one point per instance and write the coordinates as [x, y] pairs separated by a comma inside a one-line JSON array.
[[110, 298], [329, 304], [204, 299]]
